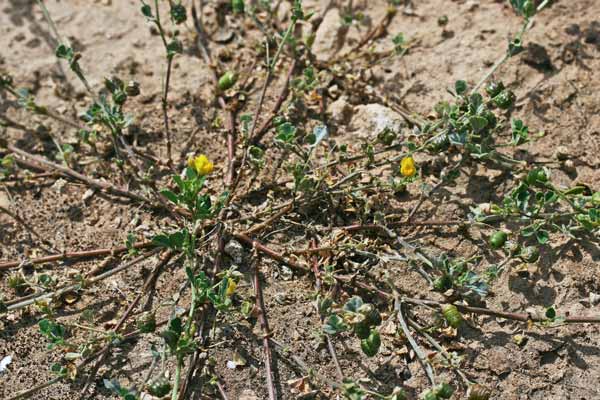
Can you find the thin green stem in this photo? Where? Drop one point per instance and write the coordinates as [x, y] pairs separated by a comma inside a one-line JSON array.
[[175, 392]]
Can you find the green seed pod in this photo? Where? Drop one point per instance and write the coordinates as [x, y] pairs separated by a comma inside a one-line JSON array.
[[596, 199], [442, 283], [494, 88], [498, 239], [119, 97], [5, 80], [386, 137], [491, 119], [439, 144], [178, 13], [238, 6], [159, 387], [372, 316], [398, 186], [132, 89], [505, 99], [528, 9], [452, 315], [370, 345], [227, 80], [530, 254], [512, 247], [536, 176], [479, 392], [429, 395], [444, 391], [146, 322]]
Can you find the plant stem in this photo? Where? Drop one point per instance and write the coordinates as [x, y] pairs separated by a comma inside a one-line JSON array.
[[418, 351], [260, 304], [177, 378], [59, 292], [75, 255]]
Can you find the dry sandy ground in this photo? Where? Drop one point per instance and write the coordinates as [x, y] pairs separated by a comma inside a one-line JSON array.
[[558, 91]]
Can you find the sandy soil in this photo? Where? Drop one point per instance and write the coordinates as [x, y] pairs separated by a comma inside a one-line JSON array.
[[558, 90]]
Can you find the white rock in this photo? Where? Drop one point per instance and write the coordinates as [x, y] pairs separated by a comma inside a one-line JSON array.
[[370, 119], [59, 186], [234, 250], [4, 364], [340, 111], [327, 37]]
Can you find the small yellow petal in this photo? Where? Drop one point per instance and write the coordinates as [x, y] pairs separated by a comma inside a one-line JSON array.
[[201, 165], [407, 167], [231, 285]]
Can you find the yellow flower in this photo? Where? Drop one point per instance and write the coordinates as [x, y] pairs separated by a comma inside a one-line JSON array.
[[407, 166], [231, 285], [201, 165]]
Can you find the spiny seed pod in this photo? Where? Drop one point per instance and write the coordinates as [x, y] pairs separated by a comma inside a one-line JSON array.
[[530, 254], [498, 239], [444, 391], [439, 143], [372, 317], [491, 119], [5, 80], [479, 392], [429, 395], [494, 88], [398, 186], [370, 345], [528, 8], [452, 315], [238, 6], [512, 247], [132, 89], [227, 80], [146, 322], [386, 137], [505, 99], [442, 283], [159, 387], [178, 13], [119, 97]]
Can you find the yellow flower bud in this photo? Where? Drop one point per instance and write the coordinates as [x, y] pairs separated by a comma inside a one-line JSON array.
[[231, 285], [201, 165], [407, 167]]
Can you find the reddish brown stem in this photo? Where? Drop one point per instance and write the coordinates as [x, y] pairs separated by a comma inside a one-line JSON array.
[[75, 255], [162, 262], [264, 324], [96, 184], [255, 140], [352, 281]]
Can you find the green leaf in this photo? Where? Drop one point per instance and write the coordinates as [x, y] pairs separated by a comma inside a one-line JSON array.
[[476, 103], [478, 123], [64, 51], [550, 313], [353, 304], [176, 325], [460, 86], [370, 345], [542, 236], [171, 339], [147, 11], [334, 325]]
